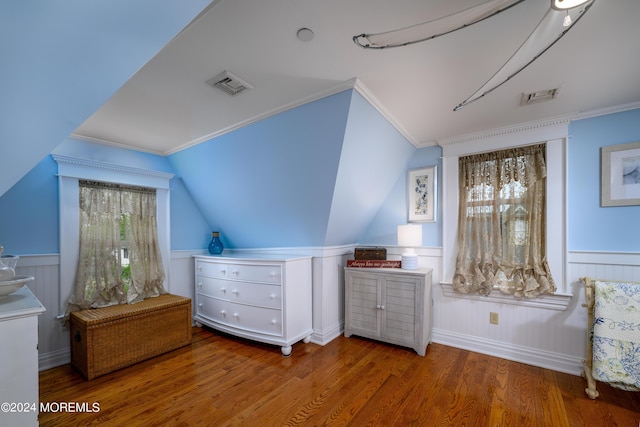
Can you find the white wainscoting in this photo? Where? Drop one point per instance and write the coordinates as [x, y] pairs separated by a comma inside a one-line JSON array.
[[551, 339], [53, 338], [542, 337]]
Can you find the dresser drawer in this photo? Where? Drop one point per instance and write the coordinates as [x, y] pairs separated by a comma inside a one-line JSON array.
[[256, 319], [264, 295], [250, 273]]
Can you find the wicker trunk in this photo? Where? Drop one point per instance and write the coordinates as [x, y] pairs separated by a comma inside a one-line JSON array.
[[106, 339]]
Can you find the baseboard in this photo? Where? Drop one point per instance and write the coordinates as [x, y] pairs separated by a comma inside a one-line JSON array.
[[325, 337], [528, 355], [53, 359]]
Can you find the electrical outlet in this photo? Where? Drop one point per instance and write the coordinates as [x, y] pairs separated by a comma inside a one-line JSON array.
[[493, 318]]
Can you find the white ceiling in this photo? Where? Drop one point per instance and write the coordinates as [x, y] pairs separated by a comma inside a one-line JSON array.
[[167, 106]]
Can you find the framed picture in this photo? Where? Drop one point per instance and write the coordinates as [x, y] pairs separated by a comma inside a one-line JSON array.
[[620, 175], [422, 194]]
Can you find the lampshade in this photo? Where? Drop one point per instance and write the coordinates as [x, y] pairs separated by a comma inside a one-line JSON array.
[[409, 236]]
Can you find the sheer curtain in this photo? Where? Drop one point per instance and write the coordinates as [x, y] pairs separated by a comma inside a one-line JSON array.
[[141, 230], [502, 224], [115, 219]]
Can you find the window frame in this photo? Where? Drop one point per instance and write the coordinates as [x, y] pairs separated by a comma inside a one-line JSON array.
[[554, 134], [73, 169]]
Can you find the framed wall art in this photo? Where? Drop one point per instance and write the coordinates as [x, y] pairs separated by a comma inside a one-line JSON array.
[[422, 194], [620, 175]]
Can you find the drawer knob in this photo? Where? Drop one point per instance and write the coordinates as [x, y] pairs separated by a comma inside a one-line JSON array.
[[223, 290], [235, 292], [236, 315], [382, 307], [224, 313], [200, 304], [235, 272], [200, 284], [273, 321], [272, 296]]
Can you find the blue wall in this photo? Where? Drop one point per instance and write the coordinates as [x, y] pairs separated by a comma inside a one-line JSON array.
[[374, 153], [29, 210], [271, 183], [592, 227], [281, 182], [62, 60], [394, 211]]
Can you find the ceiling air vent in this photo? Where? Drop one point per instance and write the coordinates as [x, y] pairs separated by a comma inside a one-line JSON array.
[[539, 96], [229, 83]]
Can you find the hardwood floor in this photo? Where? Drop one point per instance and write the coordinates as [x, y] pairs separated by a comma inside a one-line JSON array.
[[221, 380]]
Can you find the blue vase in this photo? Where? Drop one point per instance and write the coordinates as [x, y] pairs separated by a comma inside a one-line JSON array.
[[215, 246]]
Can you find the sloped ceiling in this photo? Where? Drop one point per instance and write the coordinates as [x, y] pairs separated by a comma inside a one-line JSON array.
[[63, 60], [167, 105]]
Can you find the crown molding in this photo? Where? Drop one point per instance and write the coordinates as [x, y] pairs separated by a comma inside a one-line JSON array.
[[348, 84], [508, 130], [609, 110], [101, 141]]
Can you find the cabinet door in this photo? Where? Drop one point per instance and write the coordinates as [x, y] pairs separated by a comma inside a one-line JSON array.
[[399, 296], [365, 297]]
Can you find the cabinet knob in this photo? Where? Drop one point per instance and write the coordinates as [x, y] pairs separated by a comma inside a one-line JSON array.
[[235, 292], [200, 304], [235, 272], [382, 307], [236, 315], [224, 313], [223, 290]]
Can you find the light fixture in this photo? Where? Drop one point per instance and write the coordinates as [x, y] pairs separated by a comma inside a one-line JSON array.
[[561, 16], [434, 28], [549, 30], [409, 236], [567, 4]]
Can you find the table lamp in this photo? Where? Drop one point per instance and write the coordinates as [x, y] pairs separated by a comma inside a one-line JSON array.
[[409, 236]]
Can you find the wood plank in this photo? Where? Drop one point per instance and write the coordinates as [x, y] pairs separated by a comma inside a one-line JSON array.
[[222, 380]]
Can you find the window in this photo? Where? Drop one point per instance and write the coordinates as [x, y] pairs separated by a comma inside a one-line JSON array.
[[119, 260], [502, 223]]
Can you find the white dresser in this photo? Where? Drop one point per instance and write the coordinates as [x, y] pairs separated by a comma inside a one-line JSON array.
[[263, 298], [389, 304], [19, 358]]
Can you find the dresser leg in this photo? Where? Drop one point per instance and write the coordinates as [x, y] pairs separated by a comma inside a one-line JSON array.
[[286, 350], [307, 340]]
